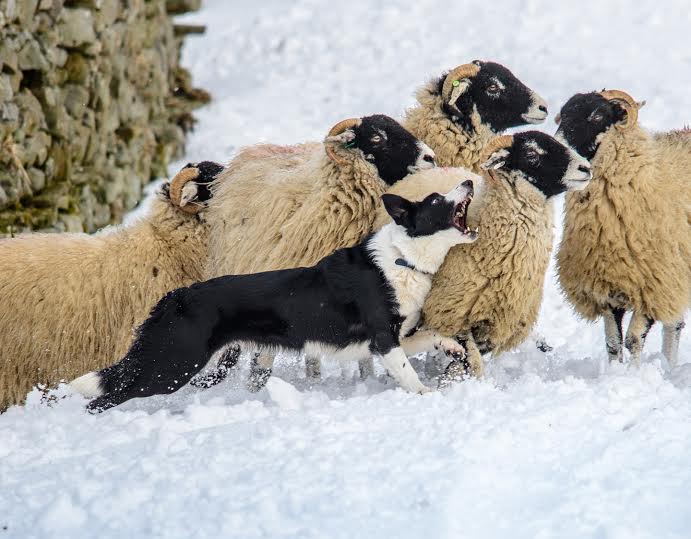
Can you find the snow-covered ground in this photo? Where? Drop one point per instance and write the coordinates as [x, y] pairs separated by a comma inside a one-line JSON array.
[[547, 445]]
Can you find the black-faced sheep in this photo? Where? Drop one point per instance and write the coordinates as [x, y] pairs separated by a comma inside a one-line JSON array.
[[71, 301], [627, 237], [460, 112], [488, 294]]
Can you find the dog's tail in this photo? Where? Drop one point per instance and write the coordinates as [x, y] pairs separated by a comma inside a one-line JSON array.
[[88, 385]]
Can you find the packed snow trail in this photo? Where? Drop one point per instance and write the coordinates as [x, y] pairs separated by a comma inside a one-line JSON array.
[[547, 445]]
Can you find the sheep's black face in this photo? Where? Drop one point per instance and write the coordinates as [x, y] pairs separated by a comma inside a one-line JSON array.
[[544, 162], [502, 101], [391, 148], [584, 118]]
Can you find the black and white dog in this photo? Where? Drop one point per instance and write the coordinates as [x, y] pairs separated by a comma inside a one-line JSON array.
[[356, 302]]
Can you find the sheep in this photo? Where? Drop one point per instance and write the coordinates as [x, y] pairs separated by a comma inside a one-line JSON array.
[[627, 243], [488, 294], [278, 207], [460, 112], [71, 301]]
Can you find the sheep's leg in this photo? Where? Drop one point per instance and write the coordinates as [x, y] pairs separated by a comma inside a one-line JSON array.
[[313, 367], [228, 360], [365, 367], [671, 334], [635, 335], [260, 370], [614, 333]]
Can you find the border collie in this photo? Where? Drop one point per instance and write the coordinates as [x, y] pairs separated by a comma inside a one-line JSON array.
[[356, 302]]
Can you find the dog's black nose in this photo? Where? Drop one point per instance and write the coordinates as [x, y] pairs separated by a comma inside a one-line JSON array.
[[468, 183], [428, 158], [542, 108]]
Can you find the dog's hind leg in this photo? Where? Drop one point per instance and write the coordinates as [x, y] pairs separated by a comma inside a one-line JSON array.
[[171, 346], [671, 335], [228, 360]]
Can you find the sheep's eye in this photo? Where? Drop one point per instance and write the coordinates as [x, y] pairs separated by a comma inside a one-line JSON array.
[[376, 138], [595, 117]]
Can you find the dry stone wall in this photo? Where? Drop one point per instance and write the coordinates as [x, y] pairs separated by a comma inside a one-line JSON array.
[[93, 105]]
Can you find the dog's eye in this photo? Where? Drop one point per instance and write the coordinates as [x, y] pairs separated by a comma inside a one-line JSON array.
[[436, 200], [493, 89], [533, 157], [376, 138]]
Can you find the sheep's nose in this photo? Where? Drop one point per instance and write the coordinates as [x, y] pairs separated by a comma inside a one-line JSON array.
[[584, 168], [468, 184], [543, 108], [428, 158]]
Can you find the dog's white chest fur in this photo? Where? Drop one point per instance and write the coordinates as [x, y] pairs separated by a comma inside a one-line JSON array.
[[410, 285], [411, 289]]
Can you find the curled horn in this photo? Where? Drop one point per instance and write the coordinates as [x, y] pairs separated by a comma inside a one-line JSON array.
[[456, 75], [627, 102], [497, 143], [179, 181], [337, 129]]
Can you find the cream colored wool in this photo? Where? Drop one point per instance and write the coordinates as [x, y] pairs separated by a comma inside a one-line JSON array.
[[452, 145], [627, 241], [70, 302], [284, 207], [494, 285]]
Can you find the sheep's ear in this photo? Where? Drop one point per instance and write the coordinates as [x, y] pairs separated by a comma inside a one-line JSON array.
[[399, 208], [496, 160]]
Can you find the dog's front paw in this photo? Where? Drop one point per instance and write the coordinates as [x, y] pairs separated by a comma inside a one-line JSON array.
[[452, 349]]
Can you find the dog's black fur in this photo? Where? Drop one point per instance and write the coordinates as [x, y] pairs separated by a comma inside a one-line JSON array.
[[584, 117], [499, 108], [345, 299]]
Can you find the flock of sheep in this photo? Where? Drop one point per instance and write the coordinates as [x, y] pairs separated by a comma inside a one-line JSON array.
[[71, 302]]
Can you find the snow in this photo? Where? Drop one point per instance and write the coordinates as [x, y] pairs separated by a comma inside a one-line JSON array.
[[546, 445]]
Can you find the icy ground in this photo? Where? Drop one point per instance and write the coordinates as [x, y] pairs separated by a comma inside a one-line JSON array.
[[556, 445]]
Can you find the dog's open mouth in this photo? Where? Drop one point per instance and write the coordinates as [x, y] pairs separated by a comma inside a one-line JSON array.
[[460, 216]]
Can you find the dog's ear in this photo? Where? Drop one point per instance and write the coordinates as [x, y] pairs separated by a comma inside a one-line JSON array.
[[398, 208]]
